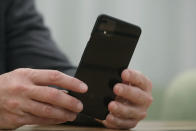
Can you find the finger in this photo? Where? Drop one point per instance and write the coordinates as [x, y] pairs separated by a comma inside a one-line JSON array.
[[117, 123], [123, 101], [137, 79], [133, 94], [48, 111], [126, 111], [52, 77], [32, 120], [13, 121], [109, 124], [10, 120], [55, 97]]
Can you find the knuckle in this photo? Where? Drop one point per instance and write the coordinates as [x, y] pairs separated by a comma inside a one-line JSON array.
[[11, 121], [55, 75], [73, 80], [16, 122], [19, 88], [22, 71], [12, 104], [16, 88], [47, 109], [53, 93], [74, 104], [73, 100]]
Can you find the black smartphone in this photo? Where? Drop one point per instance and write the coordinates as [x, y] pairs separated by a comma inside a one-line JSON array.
[[106, 55]]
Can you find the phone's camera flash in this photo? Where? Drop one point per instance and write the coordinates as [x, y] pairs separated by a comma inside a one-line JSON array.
[[105, 32]]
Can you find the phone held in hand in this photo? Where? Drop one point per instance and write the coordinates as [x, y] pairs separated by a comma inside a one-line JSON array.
[[107, 54]]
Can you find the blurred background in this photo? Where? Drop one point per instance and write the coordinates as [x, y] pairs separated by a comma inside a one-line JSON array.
[[167, 46]]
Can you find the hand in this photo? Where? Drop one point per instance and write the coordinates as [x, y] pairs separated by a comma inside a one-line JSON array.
[[132, 101], [26, 99]]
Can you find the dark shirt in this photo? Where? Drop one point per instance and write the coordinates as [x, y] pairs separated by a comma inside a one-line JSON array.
[[25, 42]]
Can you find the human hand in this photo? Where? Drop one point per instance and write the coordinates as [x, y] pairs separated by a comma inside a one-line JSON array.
[[26, 99], [132, 101]]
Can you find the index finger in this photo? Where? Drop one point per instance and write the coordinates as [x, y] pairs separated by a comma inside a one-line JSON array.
[[136, 78], [55, 97], [57, 78]]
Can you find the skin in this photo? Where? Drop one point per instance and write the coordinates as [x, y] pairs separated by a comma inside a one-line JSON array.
[[132, 101], [27, 99]]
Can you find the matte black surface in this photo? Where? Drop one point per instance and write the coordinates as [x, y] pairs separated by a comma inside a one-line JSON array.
[[107, 53]]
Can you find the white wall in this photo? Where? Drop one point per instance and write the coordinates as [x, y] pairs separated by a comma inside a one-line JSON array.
[[168, 41]]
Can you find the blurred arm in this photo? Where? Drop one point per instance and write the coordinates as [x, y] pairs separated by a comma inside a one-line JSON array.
[[29, 45]]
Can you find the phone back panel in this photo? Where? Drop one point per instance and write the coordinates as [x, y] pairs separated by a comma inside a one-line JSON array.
[[106, 55]]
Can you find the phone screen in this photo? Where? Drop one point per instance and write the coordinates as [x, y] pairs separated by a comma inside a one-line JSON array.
[[106, 55]]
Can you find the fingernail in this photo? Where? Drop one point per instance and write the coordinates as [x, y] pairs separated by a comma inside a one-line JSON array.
[[65, 91], [127, 75], [114, 105], [83, 86], [119, 89], [80, 106], [111, 117]]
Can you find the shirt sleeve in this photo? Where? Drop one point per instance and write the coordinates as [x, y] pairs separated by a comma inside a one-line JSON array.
[[29, 45]]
